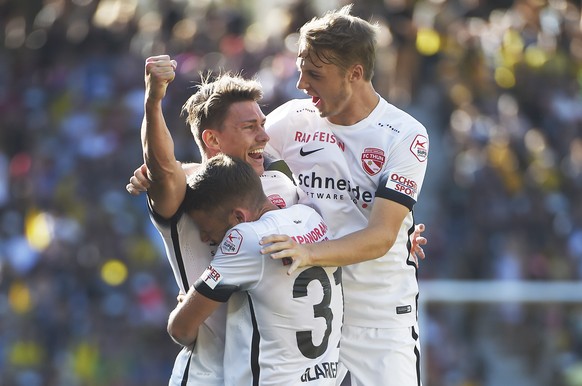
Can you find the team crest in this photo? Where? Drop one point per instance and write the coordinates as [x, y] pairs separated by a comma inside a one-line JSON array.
[[419, 147], [277, 200], [372, 160], [231, 243]]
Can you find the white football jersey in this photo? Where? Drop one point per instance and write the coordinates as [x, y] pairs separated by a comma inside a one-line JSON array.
[[296, 319], [189, 257], [340, 170]]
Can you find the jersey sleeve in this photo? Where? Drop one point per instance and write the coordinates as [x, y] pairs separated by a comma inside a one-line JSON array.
[[237, 265], [188, 256], [403, 176]]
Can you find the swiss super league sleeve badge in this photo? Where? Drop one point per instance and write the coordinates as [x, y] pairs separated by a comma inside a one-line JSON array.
[[231, 243], [419, 147]]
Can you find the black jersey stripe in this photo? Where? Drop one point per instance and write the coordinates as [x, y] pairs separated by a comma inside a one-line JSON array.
[[398, 197], [178, 252], [173, 224], [410, 231], [256, 338], [417, 355], [221, 293], [186, 371], [410, 261]]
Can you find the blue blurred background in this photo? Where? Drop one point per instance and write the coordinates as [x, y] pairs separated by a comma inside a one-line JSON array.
[[85, 288]]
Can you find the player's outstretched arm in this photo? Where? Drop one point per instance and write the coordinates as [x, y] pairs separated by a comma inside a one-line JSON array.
[[367, 244], [167, 178], [191, 311]]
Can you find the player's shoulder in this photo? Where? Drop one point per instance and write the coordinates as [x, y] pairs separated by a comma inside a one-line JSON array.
[[240, 239], [293, 109], [296, 213], [275, 177], [399, 121], [296, 105], [300, 214], [276, 169]]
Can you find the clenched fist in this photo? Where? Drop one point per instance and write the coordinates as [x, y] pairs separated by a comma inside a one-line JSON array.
[[159, 72]]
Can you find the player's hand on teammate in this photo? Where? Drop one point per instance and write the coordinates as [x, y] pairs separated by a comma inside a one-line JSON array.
[[159, 72], [284, 247], [417, 241], [139, 182]]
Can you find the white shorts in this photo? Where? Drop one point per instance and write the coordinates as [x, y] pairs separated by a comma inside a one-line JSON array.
[[380, 356]]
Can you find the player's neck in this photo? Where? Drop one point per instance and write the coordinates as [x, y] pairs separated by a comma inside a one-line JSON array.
[[361, 105], [267, 207]]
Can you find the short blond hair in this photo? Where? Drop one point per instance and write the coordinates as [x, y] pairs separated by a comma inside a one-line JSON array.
[[341, 39]]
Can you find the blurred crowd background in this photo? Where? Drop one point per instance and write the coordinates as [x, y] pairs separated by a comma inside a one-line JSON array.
[[85, 288]]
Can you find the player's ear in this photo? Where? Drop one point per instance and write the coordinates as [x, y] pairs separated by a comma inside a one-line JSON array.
[[211, 139], [356, 72], [240, 215], [237, 215]]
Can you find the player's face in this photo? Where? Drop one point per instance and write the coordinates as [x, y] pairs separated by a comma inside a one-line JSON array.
[[212, 226], [327, 85], [243, 134]]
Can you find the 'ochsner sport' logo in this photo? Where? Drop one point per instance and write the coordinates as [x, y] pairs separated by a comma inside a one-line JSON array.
[[340, 186], [403, 185]]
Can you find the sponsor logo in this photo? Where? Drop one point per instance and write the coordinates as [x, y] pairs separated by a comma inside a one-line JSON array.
[[304, 153], [211, 277], [403, 185], [319, 136], [419, 147], [320, 370], [277, 200], [231, 243], [316, 234], [312, 181], [372, 160]]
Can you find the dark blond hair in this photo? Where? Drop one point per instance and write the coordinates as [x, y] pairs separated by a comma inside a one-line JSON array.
[[341, 39], [208, 107]]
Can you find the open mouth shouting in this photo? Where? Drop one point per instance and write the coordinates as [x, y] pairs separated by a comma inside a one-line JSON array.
[[255, 159], [316, 101]]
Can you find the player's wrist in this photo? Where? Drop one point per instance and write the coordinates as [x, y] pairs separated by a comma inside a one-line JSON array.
[[153, 100], [312, 257]]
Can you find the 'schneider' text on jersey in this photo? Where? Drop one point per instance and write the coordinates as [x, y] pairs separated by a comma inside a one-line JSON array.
[[340, 171]]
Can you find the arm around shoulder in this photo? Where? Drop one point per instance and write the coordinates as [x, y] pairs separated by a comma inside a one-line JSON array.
[[369, 243]]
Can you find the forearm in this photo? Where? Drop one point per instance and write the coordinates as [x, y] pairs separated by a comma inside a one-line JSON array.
[[157, 142], [182, 328], [188, 315], [366, 244], [179, 331]]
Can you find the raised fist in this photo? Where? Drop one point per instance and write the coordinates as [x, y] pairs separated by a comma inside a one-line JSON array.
[[159, 72]]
